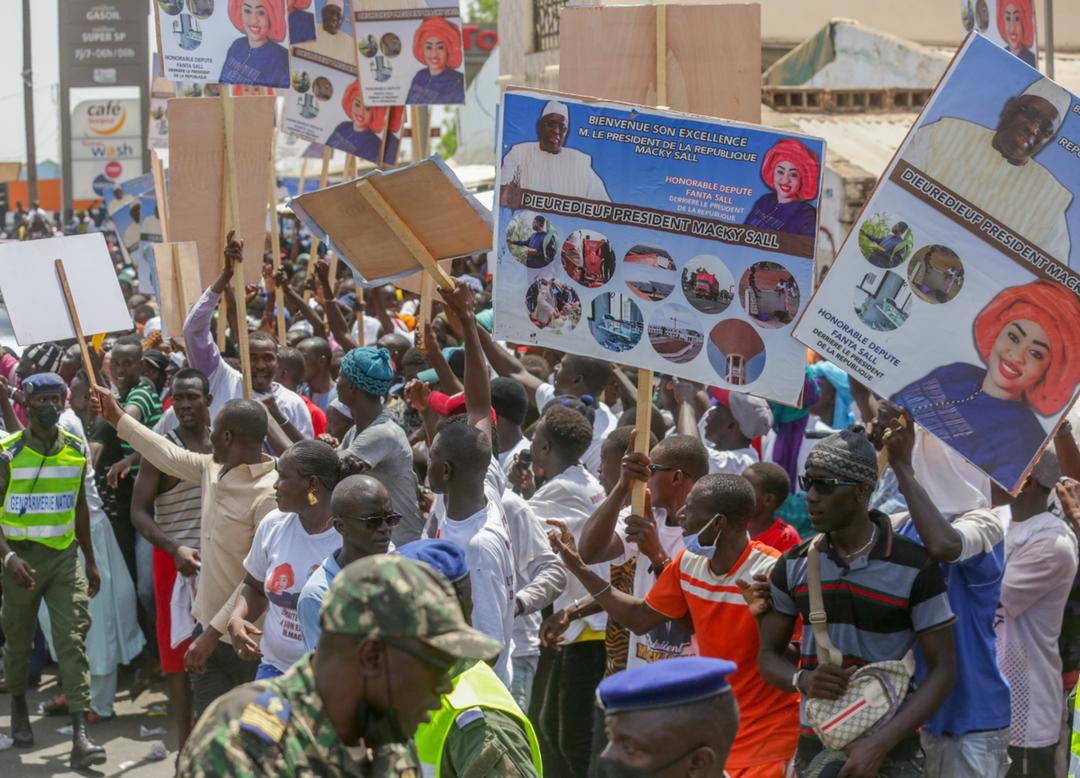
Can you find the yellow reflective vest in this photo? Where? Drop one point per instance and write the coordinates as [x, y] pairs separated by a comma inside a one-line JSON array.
[[42, 492], [477, 687]]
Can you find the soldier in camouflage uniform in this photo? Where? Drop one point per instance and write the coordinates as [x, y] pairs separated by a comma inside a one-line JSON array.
[[392, 632]]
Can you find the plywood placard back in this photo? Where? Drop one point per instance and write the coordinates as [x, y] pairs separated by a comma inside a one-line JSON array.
[[713, 57], [179, 286], [196, 169], [428, 199]]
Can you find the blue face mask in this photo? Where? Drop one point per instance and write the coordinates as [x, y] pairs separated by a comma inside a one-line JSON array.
[[693, 542]]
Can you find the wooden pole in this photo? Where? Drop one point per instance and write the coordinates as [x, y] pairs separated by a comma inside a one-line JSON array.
[[275, 233], [75, 325], [303, 177], [324, 179], [232, 220], [324, 173], [360, 322], [414, 122], [643, 420], [423, 315], [643, 423], [275, 258], [158, 171]]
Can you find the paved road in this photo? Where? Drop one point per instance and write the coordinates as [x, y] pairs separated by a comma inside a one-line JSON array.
[[120, 736]]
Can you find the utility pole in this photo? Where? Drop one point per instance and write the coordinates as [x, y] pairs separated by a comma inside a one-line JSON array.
[[28, 105], [1048, 43]]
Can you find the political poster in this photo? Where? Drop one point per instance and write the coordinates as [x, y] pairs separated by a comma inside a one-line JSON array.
[[410, 52], [953, 295], [677, 243], [1008, 23], [106, 146], [324, 106], [224, 41]]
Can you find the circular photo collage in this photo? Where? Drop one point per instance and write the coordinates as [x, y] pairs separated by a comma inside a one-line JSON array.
[[625, 295], [883, 298]]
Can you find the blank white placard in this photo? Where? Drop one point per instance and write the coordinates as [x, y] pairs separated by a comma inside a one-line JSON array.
[[35, 299]]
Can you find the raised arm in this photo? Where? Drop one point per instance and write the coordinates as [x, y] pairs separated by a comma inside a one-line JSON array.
[[302, 308], [942, 541], [599, 542], [335, 319], [461, 303], [156, 449], [688, 413], [632, 612], [202, 351], [507, 366]]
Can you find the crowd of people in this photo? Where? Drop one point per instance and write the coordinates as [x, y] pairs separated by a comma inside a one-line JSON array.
[[419, 540]]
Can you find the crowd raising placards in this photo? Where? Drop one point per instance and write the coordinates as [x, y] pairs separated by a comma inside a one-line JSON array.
[[378, 481]]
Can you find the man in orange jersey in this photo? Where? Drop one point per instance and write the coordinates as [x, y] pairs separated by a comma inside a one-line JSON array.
[[700, 583]]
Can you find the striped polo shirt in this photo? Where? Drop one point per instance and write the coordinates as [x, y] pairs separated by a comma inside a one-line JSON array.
[[143, 396], [876, 605]]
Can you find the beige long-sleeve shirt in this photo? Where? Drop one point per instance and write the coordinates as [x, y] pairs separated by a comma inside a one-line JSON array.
[[233, 504]]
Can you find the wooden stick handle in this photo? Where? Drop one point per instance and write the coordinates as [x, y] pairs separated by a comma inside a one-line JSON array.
[[75, 325], [643, 422], [275, 255], [231, 221]]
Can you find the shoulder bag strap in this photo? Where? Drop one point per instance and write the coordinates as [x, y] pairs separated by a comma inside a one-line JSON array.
[[827, 653]]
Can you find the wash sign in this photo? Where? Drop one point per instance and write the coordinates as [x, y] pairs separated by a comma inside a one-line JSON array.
[[106, 146]]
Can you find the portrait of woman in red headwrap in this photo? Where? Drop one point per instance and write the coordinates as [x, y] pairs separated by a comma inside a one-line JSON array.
[[361, 134], [437, 46], [257, 58], [996, 414], [1016, 23], [791, 171]]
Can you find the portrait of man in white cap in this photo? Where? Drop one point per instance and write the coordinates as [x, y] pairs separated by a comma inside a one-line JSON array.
[[996, 170], [547, 165], [334, 35]]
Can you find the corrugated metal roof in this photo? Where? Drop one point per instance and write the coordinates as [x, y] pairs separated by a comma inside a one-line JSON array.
[[867, 140]]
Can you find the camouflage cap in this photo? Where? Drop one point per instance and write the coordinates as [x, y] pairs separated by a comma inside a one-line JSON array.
[[386, 596]]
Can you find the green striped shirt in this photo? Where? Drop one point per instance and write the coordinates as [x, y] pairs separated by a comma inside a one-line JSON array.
[[144, 397]]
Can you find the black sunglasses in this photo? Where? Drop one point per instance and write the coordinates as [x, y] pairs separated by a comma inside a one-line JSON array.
[[442, 663], [654, 468], [389, 519], [823, 485]]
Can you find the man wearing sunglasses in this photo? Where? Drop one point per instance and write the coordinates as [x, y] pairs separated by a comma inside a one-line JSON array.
[[882, 594], [392, 632], [363, 514]]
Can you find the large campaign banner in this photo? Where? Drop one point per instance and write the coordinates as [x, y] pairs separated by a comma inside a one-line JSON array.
[[954, 295], [675, 243], [225, 41], [411, 52], [1009, 23]]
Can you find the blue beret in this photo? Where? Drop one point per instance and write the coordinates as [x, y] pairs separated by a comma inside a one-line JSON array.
[[43, 382], [446, 557], [676, 681]]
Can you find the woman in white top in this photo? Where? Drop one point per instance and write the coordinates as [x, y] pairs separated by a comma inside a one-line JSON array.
[[288, 545]]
